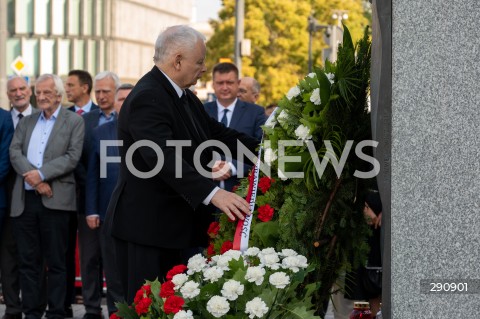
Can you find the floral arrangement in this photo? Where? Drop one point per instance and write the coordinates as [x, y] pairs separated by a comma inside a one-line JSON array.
[[317, 215], [256, 284]]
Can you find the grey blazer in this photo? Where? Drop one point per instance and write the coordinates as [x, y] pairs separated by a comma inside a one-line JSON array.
[[62, 153]]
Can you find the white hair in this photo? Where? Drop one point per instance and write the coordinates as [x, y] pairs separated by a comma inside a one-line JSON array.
[[56, 80], [172, 39], [107, 74]]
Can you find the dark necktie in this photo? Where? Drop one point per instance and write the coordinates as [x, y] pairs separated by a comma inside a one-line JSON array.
[[80, 112], [224, 119], [20, 116]]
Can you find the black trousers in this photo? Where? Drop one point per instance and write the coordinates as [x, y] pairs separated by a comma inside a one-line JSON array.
[[137, 263], [42, 236]]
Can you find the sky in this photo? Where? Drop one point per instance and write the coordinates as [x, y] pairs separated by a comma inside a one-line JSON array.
[[207, 9]]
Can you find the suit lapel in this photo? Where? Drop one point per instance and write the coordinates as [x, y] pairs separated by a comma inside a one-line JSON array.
[[33, 119], [237, 114]]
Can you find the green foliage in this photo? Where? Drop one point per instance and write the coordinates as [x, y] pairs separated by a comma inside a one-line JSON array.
[[279, 39]]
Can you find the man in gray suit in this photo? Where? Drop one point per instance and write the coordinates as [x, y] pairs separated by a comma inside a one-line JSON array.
[[45, 150]]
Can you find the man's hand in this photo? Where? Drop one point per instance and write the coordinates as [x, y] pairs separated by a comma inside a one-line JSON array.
[[231, 204], [93, 221], [221, 171], [44, 189], [32, 178]]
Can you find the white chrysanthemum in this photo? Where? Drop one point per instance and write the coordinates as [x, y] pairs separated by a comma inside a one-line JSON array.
[[315, 97], [270, 156], [293, 92], [182, 314], [283, 117], [288, 252], [222, 262], [271, 261], [256, 308], [232, 289], [179, 280], [279, 279], [218, 306], [330, 77], [252, 251], [268, 251], [190, 289], [303, 132], [235, 254], [294, 263], [312, 75], [196, 264], [255, 274], [212, 274]]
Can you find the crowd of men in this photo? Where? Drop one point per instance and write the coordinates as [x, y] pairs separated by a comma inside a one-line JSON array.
[[52, 192]]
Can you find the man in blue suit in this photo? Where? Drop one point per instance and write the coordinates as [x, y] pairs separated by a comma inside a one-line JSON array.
[[233, 113], [99, 189]]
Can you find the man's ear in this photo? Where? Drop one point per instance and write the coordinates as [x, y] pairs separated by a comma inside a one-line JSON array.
[[177, 63]]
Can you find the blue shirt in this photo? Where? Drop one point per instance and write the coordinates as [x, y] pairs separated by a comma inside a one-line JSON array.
[[104, 118], [38, 141]]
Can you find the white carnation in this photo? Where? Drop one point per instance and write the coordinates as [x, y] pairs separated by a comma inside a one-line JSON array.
[[269, 157], [256, 308], [294, 263], [330, 77], [303, 132], [293, 92], [268, 251], [255, 274], [279, 279], [315, 97], [212, 274], [232, 289], [271, 261], [182, 314], [252, 251], [283, 117], [312, 75], [235, 254], [179, 280], [190, 289], [223, 261], [196, 264], [218, 306], [288, 252]]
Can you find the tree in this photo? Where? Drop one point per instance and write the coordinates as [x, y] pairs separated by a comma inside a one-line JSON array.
[[279, 39]]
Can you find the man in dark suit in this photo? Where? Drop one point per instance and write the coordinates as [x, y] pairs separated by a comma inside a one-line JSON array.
[[157, 212], [78, 88], [45, 150], [99, 188], [19, 93], [242, 116], [105, 85], [6, 133]]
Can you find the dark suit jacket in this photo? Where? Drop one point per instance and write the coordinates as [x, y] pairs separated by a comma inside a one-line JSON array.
[[99, 190], [6, 133], [61, 156], [164, 211], [246, 118]]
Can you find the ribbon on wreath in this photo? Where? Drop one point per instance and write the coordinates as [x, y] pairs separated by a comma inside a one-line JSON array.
[[242, 232]]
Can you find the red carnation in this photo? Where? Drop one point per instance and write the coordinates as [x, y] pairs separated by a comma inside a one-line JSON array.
[[265, 213], [115, 316], [213, 229], [264, 183], [226, 246], [167, 289], [173, 304], [147, 289], [179, 269], [138, 296], [142, 307], [211, 250], [235, 188]]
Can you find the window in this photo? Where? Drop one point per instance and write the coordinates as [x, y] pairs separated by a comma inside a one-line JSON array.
[[23, 16], [58, 18]]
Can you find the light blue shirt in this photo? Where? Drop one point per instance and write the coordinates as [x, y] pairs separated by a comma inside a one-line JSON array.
[[38, 141], [104, 118]]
